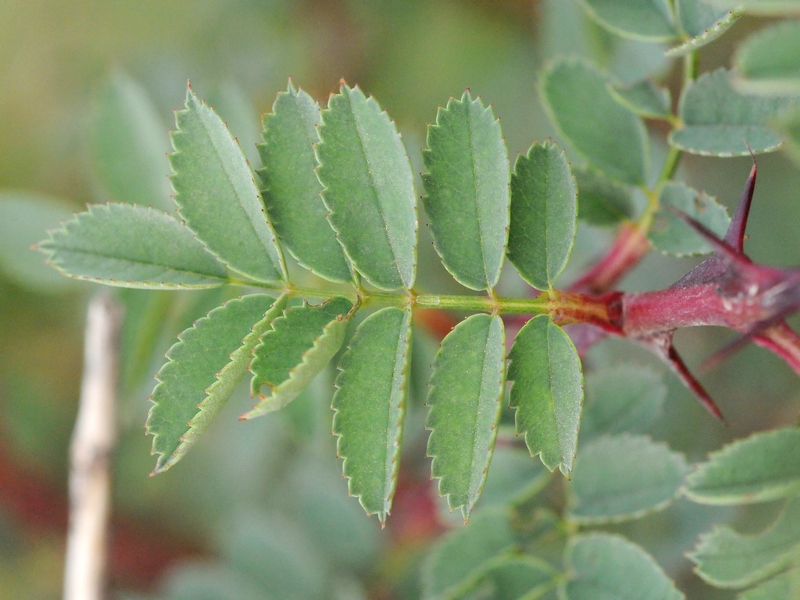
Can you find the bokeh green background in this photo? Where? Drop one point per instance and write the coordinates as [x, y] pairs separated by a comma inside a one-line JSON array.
[[261, 505]]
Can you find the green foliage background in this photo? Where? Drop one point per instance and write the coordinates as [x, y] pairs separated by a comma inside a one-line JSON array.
[[261, 505]]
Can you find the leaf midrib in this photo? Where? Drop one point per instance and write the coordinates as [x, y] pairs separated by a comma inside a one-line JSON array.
[[478, 215], [396, 392], [479, 475], [374, 186]]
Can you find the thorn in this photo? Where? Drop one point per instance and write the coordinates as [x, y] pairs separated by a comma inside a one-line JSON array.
[[735, 235], [720, 246]]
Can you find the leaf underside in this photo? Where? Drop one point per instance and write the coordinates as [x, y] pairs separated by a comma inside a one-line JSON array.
[[202, 370], [297, 347], [132, 246], [609, 566], [467, 198], [370, 405], [769, 61], [785, 586], [721, 121], [602, 131], [547, 392], [624, 477], [703, 23], [729, 559], [291, 189], [602, 201], [763, 467], [650, 20], [369, 189], [544, 211], [645, 98], [217, 197], [466, 390]]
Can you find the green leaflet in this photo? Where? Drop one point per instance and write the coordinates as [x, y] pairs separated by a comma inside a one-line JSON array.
[[463, 553], [783, 587], [544, 215], [202, 370], [514, 477], [466, 389], [297, 347], [291, 189], [720, 121], [623, 477], [467, 197], [602, 201], [789, 127], [370, 405], [609, 566], [729, 559], [763, 467], [131, 246], [369, 189], [602, 131], [129, 145], [702, 22], [639, 19], [670, 235], [24, 220], [547, 391], [622, 399], [508, 577], [217, 197], [645, 98], [769, 61]]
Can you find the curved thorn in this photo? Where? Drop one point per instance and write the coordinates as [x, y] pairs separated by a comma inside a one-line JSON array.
[[735, 234]]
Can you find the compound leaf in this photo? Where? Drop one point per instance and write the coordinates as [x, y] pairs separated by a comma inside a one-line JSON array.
[[130, 144], [650, 20], [609, 566], [729, 559], [622, 399], [370, 405], [623, 477], [702, 22], [602, 131], [217, 197], [132, 246], [544, 215], [202, 370], [463, 553], [297, 347], [466, 388], [369, 189], [467, 191], [769, 61], [763, 467], [721, 121], [291, 190], [671, 235], [547, 391]]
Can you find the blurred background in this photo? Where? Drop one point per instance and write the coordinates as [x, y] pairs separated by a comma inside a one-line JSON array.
[[259, 509]]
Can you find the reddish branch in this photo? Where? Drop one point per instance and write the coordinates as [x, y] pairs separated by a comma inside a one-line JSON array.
[[727, 289]]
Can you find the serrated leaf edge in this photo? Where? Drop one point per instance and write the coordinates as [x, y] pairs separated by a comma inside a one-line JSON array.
[[191, 435], [275, 401], [673, 454], [467, 508], [64, 228], [466, 98], [397, 444], [407, 284], [709, 35], [293, 91], [274, 253]]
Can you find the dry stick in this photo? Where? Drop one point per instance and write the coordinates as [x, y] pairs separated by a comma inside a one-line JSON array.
[[90, 454]]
